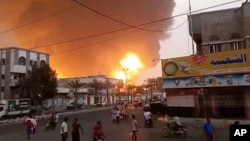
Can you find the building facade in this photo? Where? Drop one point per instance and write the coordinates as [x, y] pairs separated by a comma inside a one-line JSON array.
[[66, 96], [215, 81], [15, 62]]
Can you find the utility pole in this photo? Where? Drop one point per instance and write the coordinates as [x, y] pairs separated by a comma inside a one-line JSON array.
[[191, 26], [125, 79]]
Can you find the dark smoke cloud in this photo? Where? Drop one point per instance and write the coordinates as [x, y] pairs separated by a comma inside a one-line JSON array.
[[79, 22]]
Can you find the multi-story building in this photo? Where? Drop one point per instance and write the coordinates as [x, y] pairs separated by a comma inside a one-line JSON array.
[[215, 81], [15, 62]]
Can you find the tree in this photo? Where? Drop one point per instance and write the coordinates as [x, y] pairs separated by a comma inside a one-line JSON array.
[[139, 89], [75, 85], [130, 89], [28, 89], [108, 85], [119, 86], [96, 85], [46, 78], [39, 83]]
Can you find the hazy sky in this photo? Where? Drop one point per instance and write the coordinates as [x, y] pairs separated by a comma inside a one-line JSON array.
[[179, 43], [101, 57]]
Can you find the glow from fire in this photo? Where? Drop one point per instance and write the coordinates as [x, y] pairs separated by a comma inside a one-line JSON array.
[[130, 66]]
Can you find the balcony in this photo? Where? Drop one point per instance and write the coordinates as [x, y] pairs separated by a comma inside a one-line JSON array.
[[223, 46], [18, 69], [14, 82]]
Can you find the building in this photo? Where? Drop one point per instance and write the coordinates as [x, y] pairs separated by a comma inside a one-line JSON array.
[[215, 81], [15, 62], [66, 96]]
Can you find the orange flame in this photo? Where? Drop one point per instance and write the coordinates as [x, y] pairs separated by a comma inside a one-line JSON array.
[[130, 66]]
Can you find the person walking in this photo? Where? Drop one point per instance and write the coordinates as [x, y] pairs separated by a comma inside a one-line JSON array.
[[117, 115], [209, 131], [34, 125], [75, 132], [64, 129], [134, 128], [29, 125]]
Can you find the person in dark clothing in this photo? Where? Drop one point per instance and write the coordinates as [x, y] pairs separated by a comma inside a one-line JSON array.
[[75, 132]]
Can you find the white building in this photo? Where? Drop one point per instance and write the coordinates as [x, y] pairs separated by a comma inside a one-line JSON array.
[[66, 96], [15, 62]]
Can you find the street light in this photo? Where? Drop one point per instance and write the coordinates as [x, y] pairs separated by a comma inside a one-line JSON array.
[[125, 79], [156, 60]]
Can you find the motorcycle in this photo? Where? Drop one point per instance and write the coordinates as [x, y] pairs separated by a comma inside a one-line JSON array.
[[149, 123], [173, 129], [98, 139], [50, 125]]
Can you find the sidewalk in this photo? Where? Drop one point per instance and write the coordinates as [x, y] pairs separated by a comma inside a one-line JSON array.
[[62, 113], [199, 122]]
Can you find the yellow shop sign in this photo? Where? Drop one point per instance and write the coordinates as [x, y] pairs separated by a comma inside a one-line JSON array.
[[230, 62]]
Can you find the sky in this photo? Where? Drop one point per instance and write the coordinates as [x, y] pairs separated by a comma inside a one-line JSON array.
[[102, 54]]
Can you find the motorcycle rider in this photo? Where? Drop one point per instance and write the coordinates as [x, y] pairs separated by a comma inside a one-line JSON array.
[[98, 132], [176, 122], [148, 118], [53, 120]]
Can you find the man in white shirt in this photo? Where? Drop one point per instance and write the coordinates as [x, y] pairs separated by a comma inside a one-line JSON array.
[[134, 128], [64, 129], [117, 114], [147, 115]]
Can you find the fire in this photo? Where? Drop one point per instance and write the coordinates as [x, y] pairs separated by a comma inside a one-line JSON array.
[[130, 65]]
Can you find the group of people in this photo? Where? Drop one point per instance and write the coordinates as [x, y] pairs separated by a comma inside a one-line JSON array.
[[77, 128], [119, 113]]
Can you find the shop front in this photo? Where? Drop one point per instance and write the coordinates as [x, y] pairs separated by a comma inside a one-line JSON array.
[[215, 85]]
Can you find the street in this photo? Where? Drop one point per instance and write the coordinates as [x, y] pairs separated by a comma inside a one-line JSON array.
[[114, 132]]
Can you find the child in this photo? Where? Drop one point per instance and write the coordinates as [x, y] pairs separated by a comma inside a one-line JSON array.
[[134, 128]]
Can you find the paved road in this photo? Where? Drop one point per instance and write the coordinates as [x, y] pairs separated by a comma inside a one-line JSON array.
[[113, 132]]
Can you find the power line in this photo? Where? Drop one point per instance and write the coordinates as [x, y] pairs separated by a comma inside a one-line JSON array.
[[37, 20], [111, 39], [122, 29], [119, 36], [113, 19]]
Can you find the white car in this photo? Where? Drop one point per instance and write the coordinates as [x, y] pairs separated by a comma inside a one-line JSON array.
[[102, 103]]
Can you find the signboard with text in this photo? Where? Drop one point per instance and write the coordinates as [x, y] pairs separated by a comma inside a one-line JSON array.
[[19, 104], [208, 81], [230, 62]]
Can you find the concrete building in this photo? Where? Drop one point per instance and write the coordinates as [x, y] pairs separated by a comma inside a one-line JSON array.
[[215, 81], [65, 95], [15, 62]]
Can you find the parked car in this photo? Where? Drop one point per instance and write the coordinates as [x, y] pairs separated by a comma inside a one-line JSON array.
[[73, 105], [102, 104]]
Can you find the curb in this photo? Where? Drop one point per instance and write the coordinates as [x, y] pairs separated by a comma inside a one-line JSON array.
[[20, 120]]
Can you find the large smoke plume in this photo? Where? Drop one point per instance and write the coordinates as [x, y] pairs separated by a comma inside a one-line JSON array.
[[102, 57]]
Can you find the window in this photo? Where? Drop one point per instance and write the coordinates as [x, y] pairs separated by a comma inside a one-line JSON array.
[[2, 76], [2, 89], [215, 48], [31, 62], [3, 61], [22, 61], [42, 63], [15, 76], [236, 46]]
